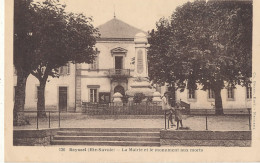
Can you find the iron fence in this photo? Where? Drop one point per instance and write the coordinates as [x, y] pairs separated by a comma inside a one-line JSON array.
[[155, 108], [30, 116], [208, 113], [53, 118], [130, 108]]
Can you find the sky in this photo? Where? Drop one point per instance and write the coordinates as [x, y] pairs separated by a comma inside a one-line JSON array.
[[142, 14]]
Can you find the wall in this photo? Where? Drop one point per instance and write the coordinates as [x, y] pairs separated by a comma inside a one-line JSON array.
[[203, 102], [51, 91], [205, 138], [105, 62], [33, 137], [167, 138], [104, 84]]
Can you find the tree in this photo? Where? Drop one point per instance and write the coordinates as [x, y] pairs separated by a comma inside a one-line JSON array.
[[164, 61], [64, 37], [208, 42], [24, 47], [45, 38]]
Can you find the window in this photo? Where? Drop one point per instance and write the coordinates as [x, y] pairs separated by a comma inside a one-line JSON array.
[[64, 70], [191, 93], [230, 93], [94, 65], [118, 62], [68, 68], [249, 92], [93, 95], [211, 94]]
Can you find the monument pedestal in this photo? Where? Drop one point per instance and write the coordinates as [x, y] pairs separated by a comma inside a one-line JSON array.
[[140, 85]]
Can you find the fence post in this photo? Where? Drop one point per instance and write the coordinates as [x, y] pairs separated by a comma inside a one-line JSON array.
[[165, 119], [59, 118], [206, 120], [138, 109], [132, 104], [168, 124], [97, 109], [129, 110], [113, 108], [37, 120], [146, 108], [49, 119]]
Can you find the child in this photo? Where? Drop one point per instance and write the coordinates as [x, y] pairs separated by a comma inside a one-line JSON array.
[[171, 111], [178, 115]]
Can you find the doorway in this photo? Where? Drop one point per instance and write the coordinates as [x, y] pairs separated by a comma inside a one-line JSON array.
[[119, 89], [63, 99]]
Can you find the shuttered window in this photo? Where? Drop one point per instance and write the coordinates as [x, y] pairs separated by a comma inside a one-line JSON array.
[[191, 94], [93, 95], [230, 93], [64, 70], [211, 94], [94, 65], [249, 92]]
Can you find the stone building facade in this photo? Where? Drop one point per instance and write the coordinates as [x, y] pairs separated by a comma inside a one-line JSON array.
[[120, 66]]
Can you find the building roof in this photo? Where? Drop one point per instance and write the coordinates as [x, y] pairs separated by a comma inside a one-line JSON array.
[[117, 29]]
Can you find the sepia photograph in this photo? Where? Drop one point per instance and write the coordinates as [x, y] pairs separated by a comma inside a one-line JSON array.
[[147, 77]]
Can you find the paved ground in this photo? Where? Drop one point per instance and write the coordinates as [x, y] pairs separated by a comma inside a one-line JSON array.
[[215, 123]]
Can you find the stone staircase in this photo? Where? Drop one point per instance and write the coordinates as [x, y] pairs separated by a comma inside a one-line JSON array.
[[107, 136]]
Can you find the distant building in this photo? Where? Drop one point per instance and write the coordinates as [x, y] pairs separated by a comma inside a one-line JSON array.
[[232, 98], [120, 66]]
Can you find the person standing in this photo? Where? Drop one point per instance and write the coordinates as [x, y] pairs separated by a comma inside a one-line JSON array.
[[178, 115], [170, 117], [166, 106]]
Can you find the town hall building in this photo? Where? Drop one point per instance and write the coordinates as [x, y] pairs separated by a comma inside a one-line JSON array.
[[120, 67]]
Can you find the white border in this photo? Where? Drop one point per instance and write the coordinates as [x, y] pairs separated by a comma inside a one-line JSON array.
[[2, 80]]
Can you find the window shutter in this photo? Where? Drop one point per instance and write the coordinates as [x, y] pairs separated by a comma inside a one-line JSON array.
[[68, 68]]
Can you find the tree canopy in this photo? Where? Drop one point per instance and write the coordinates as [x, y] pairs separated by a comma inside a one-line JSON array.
[[24, 43], [209, 43], [46, 38], [62, 37]]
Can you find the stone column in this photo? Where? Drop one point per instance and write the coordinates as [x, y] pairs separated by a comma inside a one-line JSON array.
[[141, 67], [140, 83]]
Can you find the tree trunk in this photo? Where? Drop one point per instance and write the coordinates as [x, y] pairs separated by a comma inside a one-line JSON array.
[[218, 101], [18, 114], [41, 99]]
